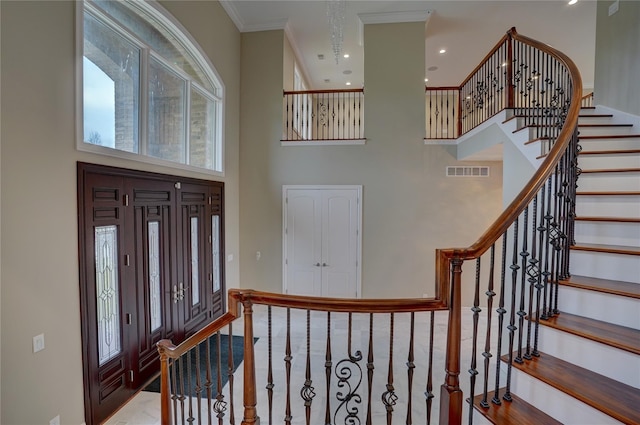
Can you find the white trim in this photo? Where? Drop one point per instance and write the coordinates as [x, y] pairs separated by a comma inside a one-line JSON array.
[[395, 17], [232, 12], [350, 142], [358, 189], [288, 31], [277, 24]]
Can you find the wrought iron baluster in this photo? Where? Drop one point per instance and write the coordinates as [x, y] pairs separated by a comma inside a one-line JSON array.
[[389, 397], [181, 393], [474, 340], [512, 328], [327, 368], [287, 362], [410, 366], [429, 390], [187, 393], [370, 368], [270, 385], [524, 254], [220, 406], [347, 391], [487, 342], [307, 392], [546, 273], [230, 369], [501, 312], [533, 272], [208, 381]]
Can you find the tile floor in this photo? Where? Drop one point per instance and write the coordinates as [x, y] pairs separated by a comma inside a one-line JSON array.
[[144, 408]]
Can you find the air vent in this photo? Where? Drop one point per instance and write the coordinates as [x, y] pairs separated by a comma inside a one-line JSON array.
[[473, 171]]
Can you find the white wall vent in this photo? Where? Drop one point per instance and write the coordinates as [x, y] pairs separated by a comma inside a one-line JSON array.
[[467, 171]]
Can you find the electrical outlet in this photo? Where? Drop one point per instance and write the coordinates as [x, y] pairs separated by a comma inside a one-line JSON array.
[[55, 421], [38, 343]]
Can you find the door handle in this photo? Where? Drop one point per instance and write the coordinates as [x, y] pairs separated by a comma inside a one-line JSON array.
[[175, 295], [181, 291]]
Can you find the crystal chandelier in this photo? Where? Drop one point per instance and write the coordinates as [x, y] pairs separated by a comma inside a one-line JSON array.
[[336, 10]]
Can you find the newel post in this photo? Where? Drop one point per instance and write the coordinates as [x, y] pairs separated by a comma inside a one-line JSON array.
[[450, 392], [165, 391], [250, 400]]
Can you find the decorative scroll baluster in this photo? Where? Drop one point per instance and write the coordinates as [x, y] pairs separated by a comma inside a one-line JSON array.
[[181, 393], [198, 385], [429, 390], [474, 343], [410, 366], [512, 328], [307, 392], [541, 277], [208, 379], [524, 254], [370, 368], [487, 344], [389, 397], [230, 369], [344, 373], [546, 273], [327, 368], [187, 393], [287, 362], [556, 236], [501, 311], [270, 385]]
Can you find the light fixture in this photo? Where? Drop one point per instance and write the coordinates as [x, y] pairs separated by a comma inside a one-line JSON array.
[[348, 83], [571, 2], [346, 56], [443, 51], [336, 11], [426, 79]]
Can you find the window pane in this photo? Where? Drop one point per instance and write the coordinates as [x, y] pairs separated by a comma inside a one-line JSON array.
[[201, 146], [195, 278], [166, 114], [155, 303], [152, 32], [215, 241], [107, 293], [111, 73]]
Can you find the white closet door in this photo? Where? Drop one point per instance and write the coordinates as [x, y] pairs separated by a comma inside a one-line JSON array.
[[303, 241], [339, 243], [321, 248]]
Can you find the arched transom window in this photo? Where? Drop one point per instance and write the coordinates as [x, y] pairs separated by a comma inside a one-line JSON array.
[[147, 90]]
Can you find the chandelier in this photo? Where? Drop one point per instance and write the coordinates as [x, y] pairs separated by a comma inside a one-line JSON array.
[[336, 10]]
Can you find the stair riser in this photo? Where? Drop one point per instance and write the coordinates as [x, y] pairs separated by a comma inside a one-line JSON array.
[[610, 308], [606, 266], [611, 362], [556, 403], [606, 131], [591, 162], [629, 181], [607, 233], [608, 206], [610, 144], [594, 120]]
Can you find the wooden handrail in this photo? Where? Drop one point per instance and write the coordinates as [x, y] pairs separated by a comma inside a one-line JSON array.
[[487, 56], [286, 92], [428, 88]]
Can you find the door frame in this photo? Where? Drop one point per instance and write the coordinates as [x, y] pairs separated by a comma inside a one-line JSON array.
[[358, 189]]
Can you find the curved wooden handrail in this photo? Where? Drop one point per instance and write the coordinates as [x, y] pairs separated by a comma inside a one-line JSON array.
[[526, 195], [488, 55]]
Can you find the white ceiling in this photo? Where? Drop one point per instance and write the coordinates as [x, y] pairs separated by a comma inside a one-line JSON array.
[[467, 29]]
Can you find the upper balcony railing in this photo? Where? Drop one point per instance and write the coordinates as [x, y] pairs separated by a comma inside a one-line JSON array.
[[323, 115]]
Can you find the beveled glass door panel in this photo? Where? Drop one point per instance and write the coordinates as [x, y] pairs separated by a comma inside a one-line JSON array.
[[155, 295], [108, 320], [215, 250], [195, 263]]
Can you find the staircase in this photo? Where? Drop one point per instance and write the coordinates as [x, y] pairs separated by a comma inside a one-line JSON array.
[[588, 368]]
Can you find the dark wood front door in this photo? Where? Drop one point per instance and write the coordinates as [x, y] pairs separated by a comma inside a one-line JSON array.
[[148, 258]]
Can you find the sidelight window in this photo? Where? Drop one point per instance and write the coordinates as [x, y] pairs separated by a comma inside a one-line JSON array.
[[148, 93]]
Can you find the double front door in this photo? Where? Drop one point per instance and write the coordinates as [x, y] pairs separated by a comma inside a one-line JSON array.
[[322, 241], [151, 247]]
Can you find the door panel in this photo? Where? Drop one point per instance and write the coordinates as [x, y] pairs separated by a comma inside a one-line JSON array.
[[339, 243], [303, 233]]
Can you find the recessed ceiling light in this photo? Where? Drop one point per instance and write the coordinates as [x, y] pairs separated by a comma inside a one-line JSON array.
[[346, 55], [426, 79], [443, 50], [573, 2], [348, 83]]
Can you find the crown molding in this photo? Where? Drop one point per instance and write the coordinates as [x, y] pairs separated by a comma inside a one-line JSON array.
[[395, 17], [232, 12], [278, 24], [391, 18]]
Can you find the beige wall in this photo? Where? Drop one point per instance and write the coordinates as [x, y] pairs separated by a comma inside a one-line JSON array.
[[38, 195], [617, 69], [409, 207]]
